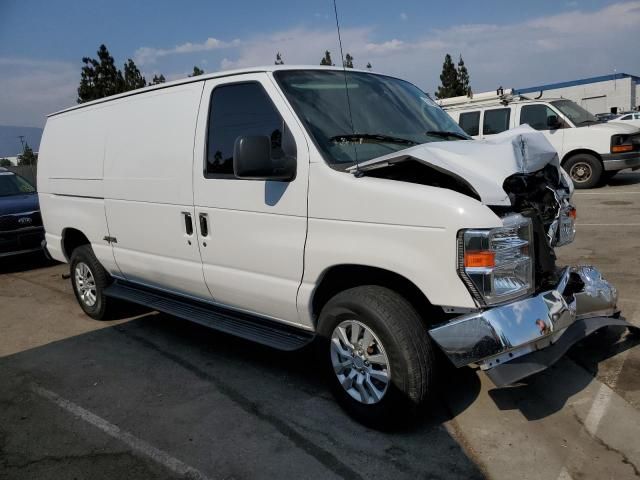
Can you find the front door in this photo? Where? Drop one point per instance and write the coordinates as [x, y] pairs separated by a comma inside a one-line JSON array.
[[252, 232]]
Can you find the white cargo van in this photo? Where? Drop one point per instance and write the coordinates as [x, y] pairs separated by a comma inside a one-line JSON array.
[[261, 203], [591, 151]]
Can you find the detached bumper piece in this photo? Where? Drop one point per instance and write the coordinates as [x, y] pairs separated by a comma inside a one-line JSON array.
[[513, 341]]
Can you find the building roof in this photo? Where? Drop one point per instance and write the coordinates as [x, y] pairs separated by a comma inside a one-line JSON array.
[[573, 83], [200, 78]]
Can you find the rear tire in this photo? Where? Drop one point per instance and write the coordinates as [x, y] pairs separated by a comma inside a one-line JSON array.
[[584, 169], [377, 354], [89, 280]]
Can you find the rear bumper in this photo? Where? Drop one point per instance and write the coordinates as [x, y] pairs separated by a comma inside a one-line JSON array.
[[514, 333], [620, 161]]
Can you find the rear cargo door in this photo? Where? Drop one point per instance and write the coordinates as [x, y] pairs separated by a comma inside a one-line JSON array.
[[148, 190]]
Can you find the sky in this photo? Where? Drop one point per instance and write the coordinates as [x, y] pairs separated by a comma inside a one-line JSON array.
[[503, 43]]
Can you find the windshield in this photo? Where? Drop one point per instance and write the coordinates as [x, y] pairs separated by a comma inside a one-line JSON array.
[[388, 114], [578, 115], [11, 184]]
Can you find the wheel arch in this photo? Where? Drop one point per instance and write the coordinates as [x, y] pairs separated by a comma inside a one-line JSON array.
[[338, 278], [578, 151], [72, 238]]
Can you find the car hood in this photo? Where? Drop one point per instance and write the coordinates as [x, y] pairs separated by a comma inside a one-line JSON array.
[[483, 164], [613, 127], [13, 204]]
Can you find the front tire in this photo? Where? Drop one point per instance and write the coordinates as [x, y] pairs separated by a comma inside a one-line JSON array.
[[377, 354], [89, 280], [584, 169]]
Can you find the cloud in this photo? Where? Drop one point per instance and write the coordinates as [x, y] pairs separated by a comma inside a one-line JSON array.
[[544, 49], [403, 16], [148, 55], [31, 89]]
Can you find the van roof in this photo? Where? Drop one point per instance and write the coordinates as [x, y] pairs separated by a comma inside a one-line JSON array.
[[200, 78]]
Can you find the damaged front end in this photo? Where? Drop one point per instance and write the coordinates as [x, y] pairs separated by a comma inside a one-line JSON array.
[[518, 339], [509, 339]]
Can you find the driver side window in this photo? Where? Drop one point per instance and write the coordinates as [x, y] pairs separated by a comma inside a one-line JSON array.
[[537, 116], [236, 110]]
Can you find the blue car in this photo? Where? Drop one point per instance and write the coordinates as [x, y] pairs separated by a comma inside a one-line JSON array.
[[21, 229]]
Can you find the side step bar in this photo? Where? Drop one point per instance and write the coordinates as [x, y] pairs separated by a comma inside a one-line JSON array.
[[273, 334]]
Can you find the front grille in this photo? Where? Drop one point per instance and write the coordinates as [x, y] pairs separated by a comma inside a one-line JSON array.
[[18, 221]]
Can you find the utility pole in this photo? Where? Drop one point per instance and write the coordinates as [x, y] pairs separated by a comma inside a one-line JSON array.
[[21, 137]]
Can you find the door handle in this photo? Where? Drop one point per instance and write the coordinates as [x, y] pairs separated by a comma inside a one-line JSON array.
[[204, 225], [188, 223]]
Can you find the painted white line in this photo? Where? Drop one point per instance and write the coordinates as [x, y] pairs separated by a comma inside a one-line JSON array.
[[142, 447], [603, 398], [607, 193], [607, 224], [564, 474]]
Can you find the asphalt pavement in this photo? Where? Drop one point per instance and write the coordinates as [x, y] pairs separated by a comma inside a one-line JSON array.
[[150, 396]]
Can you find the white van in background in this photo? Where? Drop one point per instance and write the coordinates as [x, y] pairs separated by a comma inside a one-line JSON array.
[[590, 151]]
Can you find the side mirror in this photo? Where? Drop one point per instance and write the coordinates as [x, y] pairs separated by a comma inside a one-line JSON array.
[[252, 160], [553, 122]]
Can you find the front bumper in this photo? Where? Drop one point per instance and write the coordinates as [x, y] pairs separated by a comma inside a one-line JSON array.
[[620, 161], [498, 337], [24, 240]]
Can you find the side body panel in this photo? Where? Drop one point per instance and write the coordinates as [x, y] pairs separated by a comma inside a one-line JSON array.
[[70, 183]]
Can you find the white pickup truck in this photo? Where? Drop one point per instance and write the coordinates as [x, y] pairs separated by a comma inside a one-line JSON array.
[[591, 151], [262, 203]]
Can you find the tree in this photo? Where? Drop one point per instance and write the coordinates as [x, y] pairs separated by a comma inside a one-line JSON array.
[[279, 60], [133, 79], [369, 67], [27, 157], [99, 77], [326, 60], [450, 85], [463, 78], [5, 162], [348, 61], [196, 71], [157, 79]]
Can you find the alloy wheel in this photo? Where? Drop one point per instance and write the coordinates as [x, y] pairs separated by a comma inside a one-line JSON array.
[[85, 284], [360, 362]]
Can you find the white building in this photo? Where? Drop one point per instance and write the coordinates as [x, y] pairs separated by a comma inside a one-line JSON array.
[[614, 93]]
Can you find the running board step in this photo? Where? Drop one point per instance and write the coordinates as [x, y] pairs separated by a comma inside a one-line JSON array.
[[266, 332]]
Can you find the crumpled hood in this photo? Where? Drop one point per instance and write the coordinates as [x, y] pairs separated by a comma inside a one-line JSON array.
[[13, 204], [483, 164]]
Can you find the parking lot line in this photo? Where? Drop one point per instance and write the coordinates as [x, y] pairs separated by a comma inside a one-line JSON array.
[[607, 224], [138, 445], [606, 193]]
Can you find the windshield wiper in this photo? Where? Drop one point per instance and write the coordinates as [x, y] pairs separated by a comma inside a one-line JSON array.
[[373, 136], [444, 134], [587, 121]]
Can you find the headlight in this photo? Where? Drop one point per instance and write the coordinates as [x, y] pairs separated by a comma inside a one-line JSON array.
[[497, 264]]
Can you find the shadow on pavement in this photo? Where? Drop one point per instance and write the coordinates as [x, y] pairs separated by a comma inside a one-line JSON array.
[[547, 392], [625, 178], [22, 263], [223, 405]]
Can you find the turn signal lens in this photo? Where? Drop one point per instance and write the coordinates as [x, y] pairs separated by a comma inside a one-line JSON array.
[[480, 258], [621, 148], [573, 213]]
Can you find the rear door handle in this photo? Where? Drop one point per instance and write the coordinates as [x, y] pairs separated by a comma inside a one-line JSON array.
[[204, 224], [188, 223]]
